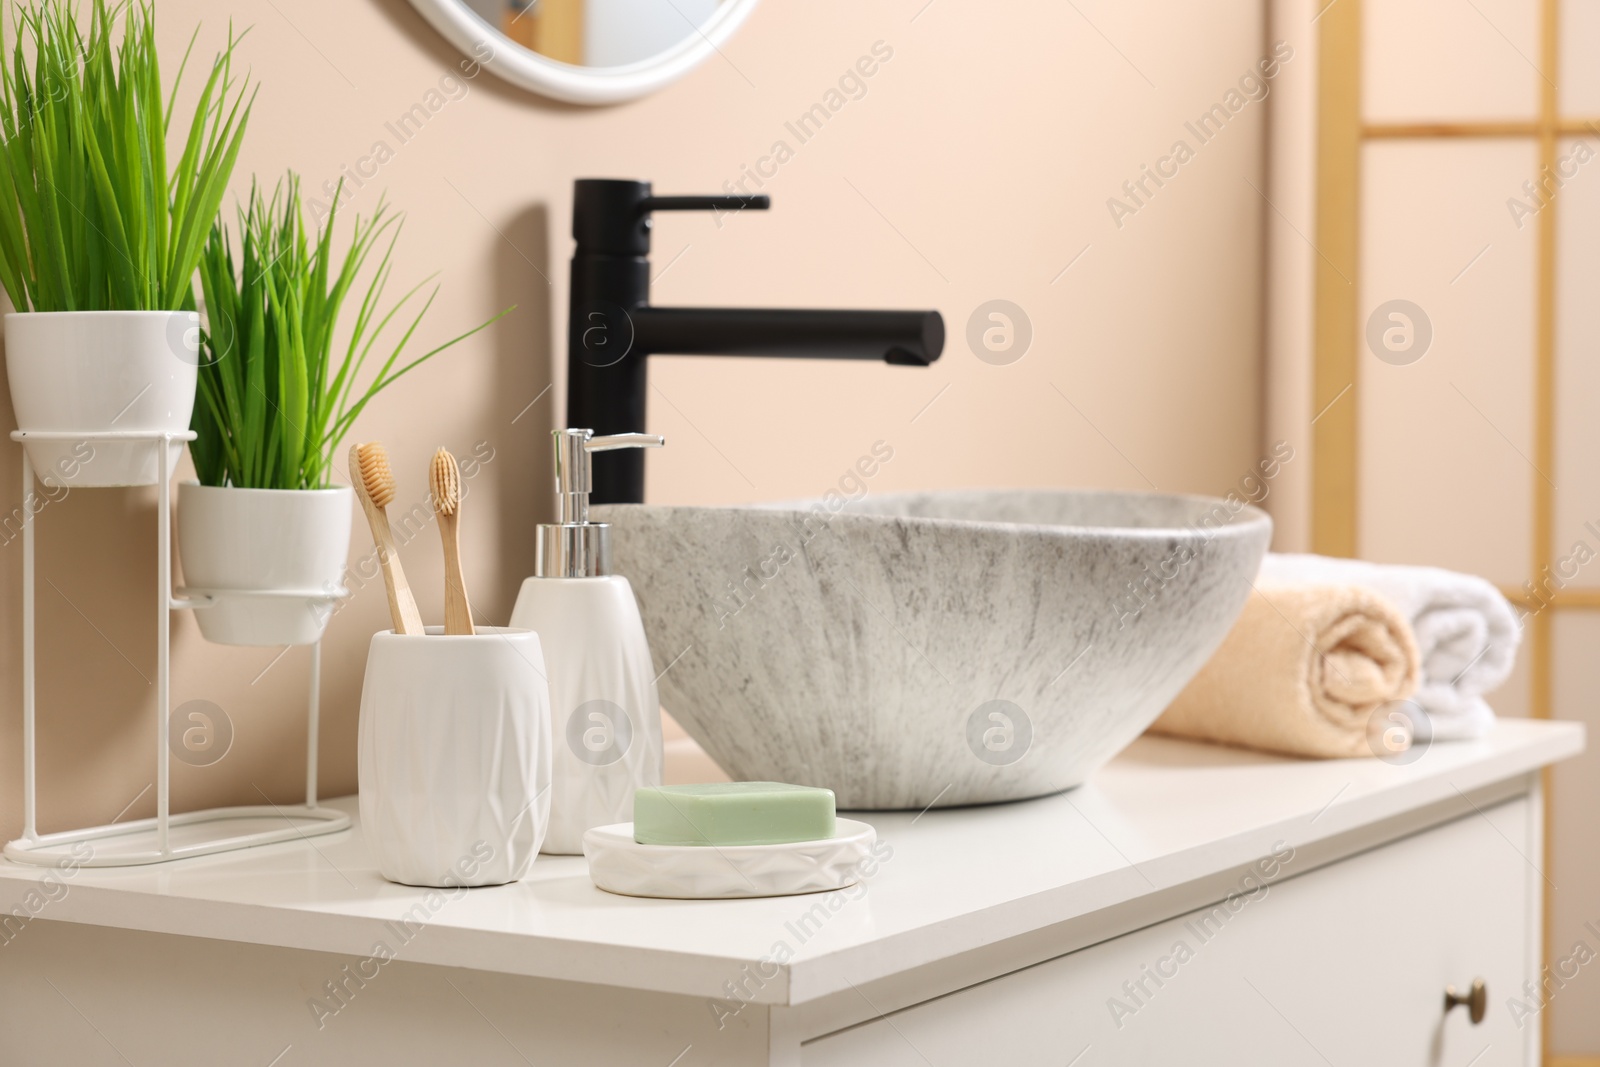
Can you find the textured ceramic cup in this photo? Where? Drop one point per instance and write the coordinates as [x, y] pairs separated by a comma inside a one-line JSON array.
[[454, 763]]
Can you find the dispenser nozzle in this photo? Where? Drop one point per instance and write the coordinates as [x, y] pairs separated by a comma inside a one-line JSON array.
[[574, 473], [573, 547]]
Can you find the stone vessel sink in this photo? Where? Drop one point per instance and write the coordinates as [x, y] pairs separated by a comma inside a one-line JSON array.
[[940, 648]]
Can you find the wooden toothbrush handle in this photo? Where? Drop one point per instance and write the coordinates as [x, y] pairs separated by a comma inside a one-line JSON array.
[[402, 605], [457, 609]]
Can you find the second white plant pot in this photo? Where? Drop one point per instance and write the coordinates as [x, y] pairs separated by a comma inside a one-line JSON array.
[[102, 372], [454, 756], [266, 544]]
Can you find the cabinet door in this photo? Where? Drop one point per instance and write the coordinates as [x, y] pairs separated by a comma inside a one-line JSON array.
[[1346, 965]]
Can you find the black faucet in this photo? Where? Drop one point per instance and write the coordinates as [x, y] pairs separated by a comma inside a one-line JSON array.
[[613, 328]]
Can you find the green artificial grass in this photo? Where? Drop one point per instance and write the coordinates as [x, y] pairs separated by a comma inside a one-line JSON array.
[[91, 218], [275, 400]]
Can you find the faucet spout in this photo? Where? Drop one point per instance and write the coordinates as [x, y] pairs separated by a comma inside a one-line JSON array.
[[612, 330], [904, 338]]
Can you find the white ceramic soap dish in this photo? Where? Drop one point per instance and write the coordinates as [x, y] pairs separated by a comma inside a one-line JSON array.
[[619, 864]]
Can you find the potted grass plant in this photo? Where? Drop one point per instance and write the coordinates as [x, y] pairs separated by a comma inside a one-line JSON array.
[[278, 392], [100, 237]]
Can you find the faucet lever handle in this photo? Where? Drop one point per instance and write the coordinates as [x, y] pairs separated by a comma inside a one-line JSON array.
[[624, 440], [703, 203]]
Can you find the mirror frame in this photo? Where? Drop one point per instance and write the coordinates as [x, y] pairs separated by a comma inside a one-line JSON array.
[[579, 85]]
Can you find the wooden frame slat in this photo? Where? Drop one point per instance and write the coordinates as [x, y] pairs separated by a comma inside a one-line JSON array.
[[1335, 451], [1336, 445]]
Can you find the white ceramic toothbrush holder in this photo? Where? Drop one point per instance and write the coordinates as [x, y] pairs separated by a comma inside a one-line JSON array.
[[454, 763]]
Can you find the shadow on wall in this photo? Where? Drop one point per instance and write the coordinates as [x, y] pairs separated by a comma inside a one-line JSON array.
[[524, 404], [507, 433], [502, 440], [95, 603], [526, 409]]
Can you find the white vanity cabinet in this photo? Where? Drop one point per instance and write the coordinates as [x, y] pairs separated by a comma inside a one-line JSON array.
[[1346, 964], [1190, 905]]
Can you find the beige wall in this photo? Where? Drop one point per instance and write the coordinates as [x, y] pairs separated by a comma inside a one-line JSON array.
[[977, 166], [1291, 265]]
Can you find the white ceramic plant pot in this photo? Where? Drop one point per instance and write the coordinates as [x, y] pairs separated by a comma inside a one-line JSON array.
[[454, 758], [97, 372], [255, 541]]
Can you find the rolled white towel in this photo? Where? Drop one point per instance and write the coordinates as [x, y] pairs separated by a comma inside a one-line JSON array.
[[1466, 631]]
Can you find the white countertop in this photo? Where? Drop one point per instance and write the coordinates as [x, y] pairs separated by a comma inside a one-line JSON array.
[[1165, 813]]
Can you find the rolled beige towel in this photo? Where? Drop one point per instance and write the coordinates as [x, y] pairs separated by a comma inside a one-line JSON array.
[[1301, 673]]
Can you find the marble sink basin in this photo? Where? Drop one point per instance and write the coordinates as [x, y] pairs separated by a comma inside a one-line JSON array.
[[940, 648]]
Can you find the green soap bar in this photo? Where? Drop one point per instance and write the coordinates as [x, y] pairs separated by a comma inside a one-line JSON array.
[[732, 813]]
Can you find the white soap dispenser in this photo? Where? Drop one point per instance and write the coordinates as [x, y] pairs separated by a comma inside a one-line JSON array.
[[604, 712]]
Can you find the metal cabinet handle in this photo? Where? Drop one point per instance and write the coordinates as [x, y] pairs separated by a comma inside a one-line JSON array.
[[1476, 1000]]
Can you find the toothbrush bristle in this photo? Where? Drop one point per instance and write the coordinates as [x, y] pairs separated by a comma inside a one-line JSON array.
[[444, 479], [375, 473]]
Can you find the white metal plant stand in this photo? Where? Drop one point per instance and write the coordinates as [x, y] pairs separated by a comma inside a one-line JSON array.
[[167, 836]]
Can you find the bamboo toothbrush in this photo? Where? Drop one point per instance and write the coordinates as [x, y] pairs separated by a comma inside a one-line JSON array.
[[374, 484], [444, 479]]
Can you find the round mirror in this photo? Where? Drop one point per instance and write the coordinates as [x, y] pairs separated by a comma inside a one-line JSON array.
[[587, 51]]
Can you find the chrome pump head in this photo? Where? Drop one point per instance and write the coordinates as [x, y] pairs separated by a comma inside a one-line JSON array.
[[574, 547]]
